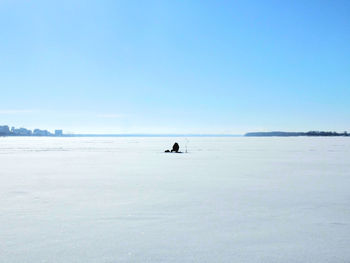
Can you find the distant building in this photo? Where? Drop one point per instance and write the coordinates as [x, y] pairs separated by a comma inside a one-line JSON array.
[[38, 132], [4, 130], [21, 132], [58, 132]]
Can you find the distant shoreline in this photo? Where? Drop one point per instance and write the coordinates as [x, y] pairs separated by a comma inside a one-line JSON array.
[[5, 131], [129, 135], [297, 134]]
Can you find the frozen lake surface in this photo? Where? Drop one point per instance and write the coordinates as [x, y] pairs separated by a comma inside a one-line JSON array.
[[124, 200]]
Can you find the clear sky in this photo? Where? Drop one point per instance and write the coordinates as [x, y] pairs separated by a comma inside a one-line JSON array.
[[175, 66]]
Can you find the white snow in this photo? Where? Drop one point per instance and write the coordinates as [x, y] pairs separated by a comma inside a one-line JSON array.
[[124, 200]]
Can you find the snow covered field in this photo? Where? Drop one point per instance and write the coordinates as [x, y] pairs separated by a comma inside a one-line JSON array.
[[124, 200]]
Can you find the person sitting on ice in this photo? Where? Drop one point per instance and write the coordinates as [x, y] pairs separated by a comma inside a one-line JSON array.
[[176, 147]]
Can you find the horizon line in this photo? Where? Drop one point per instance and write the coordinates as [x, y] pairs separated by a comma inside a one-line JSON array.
[[150, 135]]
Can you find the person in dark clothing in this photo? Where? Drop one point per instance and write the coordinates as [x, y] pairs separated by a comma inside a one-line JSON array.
[[176, 147]]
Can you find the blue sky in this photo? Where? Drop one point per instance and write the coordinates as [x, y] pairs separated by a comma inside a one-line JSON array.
[[175, 66]]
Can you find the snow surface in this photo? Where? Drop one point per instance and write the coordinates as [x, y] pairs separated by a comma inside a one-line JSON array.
[[124, 200]]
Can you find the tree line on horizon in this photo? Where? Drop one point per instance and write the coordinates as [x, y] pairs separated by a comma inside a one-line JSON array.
[[285, 134]]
